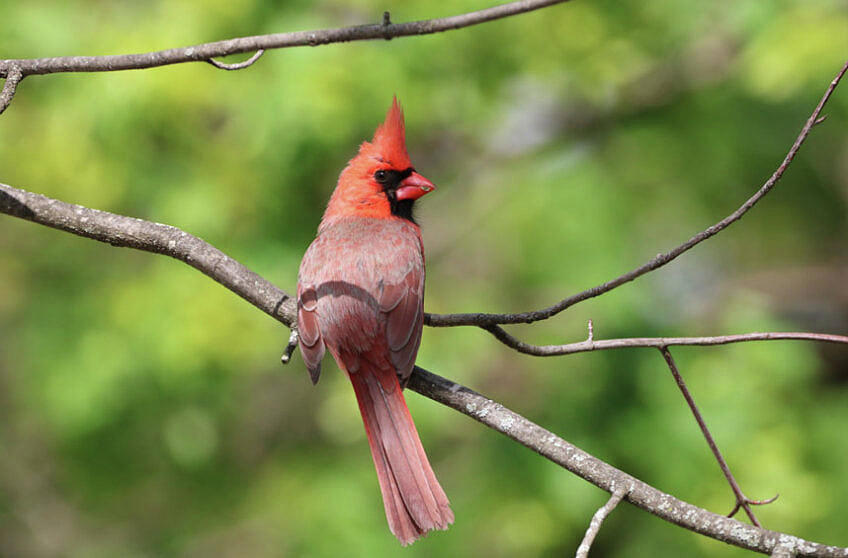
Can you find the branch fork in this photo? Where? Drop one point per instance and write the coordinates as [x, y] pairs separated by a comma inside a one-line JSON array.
[[14, 75], [598, 519]]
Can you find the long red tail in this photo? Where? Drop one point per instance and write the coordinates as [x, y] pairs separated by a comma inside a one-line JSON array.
[[414, 501]]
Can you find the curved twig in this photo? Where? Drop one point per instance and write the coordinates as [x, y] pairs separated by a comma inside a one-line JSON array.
[[486, 320], [745, 500], [238, 65], [119, 230], [206, 51]]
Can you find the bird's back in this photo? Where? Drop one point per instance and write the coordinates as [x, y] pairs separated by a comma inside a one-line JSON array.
[[367, 276]]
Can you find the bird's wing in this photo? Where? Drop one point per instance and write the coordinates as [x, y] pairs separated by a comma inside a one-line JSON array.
[[403, 305], [361, 294], [311, 344]]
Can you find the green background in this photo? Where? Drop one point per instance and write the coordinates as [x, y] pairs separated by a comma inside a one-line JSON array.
[[143, 409]]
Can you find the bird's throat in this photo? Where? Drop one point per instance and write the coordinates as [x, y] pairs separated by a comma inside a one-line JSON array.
[[402, 208]]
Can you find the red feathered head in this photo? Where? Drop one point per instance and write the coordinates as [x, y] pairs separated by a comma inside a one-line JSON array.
[[380, 181]]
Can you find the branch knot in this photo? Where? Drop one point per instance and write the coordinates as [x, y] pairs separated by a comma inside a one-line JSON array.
[[387, 24]]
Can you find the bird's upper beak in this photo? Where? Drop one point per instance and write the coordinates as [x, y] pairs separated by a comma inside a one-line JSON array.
[[413, 187]]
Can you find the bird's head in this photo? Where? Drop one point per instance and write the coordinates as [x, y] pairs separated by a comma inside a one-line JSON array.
[[380, 181]]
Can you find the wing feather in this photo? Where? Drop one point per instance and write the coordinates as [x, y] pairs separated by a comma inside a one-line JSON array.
[[405, 322], [311, 344]]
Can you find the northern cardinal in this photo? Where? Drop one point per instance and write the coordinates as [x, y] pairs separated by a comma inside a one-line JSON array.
[[360, 294]]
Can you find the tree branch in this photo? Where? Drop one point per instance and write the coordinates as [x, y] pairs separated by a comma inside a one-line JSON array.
[[742, 501], [607, 477], [655, 342], [207, 51], [487, 320], [597, 521], [129, 232], [13, 78], [119, 230]]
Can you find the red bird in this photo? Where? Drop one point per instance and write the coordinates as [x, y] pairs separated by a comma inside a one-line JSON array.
[[360, 294]]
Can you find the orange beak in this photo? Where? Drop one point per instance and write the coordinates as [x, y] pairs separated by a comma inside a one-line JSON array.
[[413, 187]]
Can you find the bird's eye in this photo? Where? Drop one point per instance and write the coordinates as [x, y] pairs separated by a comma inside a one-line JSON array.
[[381, 176]]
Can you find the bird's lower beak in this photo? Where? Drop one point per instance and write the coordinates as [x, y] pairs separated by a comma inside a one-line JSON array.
[[413, 187]]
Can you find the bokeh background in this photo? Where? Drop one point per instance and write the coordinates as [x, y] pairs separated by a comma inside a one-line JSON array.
[[143, 408]]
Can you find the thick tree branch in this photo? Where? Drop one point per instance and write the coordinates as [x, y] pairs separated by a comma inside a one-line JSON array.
[[119, 230], [607, 477], [487, 320], [207, 51]]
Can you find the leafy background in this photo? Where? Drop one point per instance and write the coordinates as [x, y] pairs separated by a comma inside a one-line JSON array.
[[143, 410]]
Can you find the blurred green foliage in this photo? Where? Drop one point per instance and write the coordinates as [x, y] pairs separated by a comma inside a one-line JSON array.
[[143, 410]]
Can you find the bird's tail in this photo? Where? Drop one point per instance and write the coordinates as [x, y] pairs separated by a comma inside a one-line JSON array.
[[414, 501]]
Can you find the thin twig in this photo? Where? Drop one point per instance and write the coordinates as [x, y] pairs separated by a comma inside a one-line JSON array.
[[239, 65], [741, 500], [747, 500], [656, 342], [294, 338], [13, 78], [597, 521], [206, 51], [487, 320], [153, 237]]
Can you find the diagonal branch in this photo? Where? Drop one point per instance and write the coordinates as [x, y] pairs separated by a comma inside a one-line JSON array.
[[607, 477], [206, 51], [13, 78], [484, 320], [741, 500], [597, 521], [119, 230]]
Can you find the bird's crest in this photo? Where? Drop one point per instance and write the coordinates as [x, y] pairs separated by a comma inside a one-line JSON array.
[[389, 143]]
